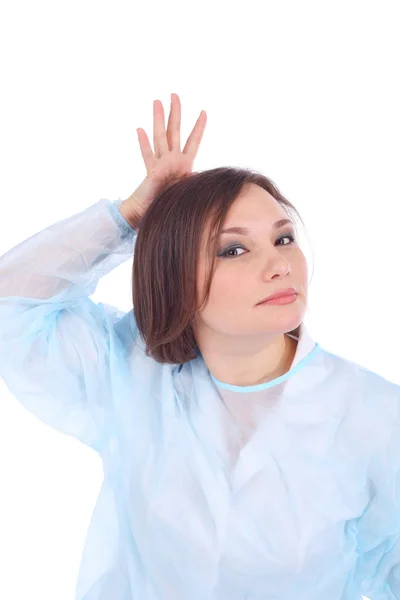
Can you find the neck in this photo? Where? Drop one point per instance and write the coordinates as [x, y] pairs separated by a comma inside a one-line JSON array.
[[231, 369], [285, 364]]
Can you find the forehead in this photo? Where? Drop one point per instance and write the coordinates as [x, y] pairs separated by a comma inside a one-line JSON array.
[[255, 204], [254, 208]]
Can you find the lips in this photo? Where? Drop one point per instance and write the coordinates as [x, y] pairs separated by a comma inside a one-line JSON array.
[[279, 294]]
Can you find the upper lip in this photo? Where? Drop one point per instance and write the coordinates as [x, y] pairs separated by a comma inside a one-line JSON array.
[[279, 293]]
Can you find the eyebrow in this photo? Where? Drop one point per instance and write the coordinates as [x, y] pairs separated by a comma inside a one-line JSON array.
[[246, 231]]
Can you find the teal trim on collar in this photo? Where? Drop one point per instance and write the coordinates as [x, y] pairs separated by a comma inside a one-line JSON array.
[[263, 386]]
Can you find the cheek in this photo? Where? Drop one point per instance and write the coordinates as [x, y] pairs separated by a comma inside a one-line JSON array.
[[298, 263], [223, 293], [226, 290], [303, 267]]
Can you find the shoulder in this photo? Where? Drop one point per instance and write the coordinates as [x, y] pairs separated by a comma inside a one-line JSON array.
[[379, 396]]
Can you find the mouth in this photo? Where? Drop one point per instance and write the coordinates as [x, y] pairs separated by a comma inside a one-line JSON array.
[[281, 294]]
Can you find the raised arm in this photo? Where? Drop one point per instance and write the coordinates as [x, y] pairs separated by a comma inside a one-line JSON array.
[[53, 337]]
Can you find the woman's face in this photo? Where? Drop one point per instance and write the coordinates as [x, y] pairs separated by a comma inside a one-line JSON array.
[[249, 268]]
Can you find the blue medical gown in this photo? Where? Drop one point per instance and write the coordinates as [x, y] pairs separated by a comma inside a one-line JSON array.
[[288, 490]]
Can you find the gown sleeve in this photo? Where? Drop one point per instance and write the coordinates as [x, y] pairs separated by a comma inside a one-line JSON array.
[[379, 525], [54, 340]]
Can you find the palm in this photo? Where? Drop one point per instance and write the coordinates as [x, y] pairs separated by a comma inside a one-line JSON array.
[[168, 163], [170, 167]]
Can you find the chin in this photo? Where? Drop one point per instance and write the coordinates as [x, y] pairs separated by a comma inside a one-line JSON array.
[[287, 323]]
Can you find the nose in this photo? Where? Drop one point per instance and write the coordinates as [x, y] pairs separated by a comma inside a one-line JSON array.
[[279, 265]]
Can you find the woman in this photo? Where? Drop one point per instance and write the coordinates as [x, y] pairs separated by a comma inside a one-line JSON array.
[[242, 461]]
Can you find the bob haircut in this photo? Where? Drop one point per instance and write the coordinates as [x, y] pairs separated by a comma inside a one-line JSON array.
[[167, 249]]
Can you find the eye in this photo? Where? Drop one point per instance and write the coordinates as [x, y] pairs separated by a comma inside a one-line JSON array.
[[224, 253]]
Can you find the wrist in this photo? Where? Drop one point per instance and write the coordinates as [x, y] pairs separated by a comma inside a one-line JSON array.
[[129, 209]]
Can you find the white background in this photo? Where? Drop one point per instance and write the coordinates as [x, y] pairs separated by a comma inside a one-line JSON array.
[[306, 92]]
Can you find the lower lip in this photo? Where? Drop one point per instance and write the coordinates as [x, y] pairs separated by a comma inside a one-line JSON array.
[[282, 300]]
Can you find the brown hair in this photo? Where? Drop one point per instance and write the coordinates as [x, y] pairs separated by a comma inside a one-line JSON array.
[[166, 252]]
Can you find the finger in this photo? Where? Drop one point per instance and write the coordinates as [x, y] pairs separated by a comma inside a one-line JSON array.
[[145, 148], [174, 124], [160, 138], [194, 139]]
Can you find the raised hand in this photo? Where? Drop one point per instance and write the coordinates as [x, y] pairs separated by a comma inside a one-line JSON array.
[[167, 163]]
